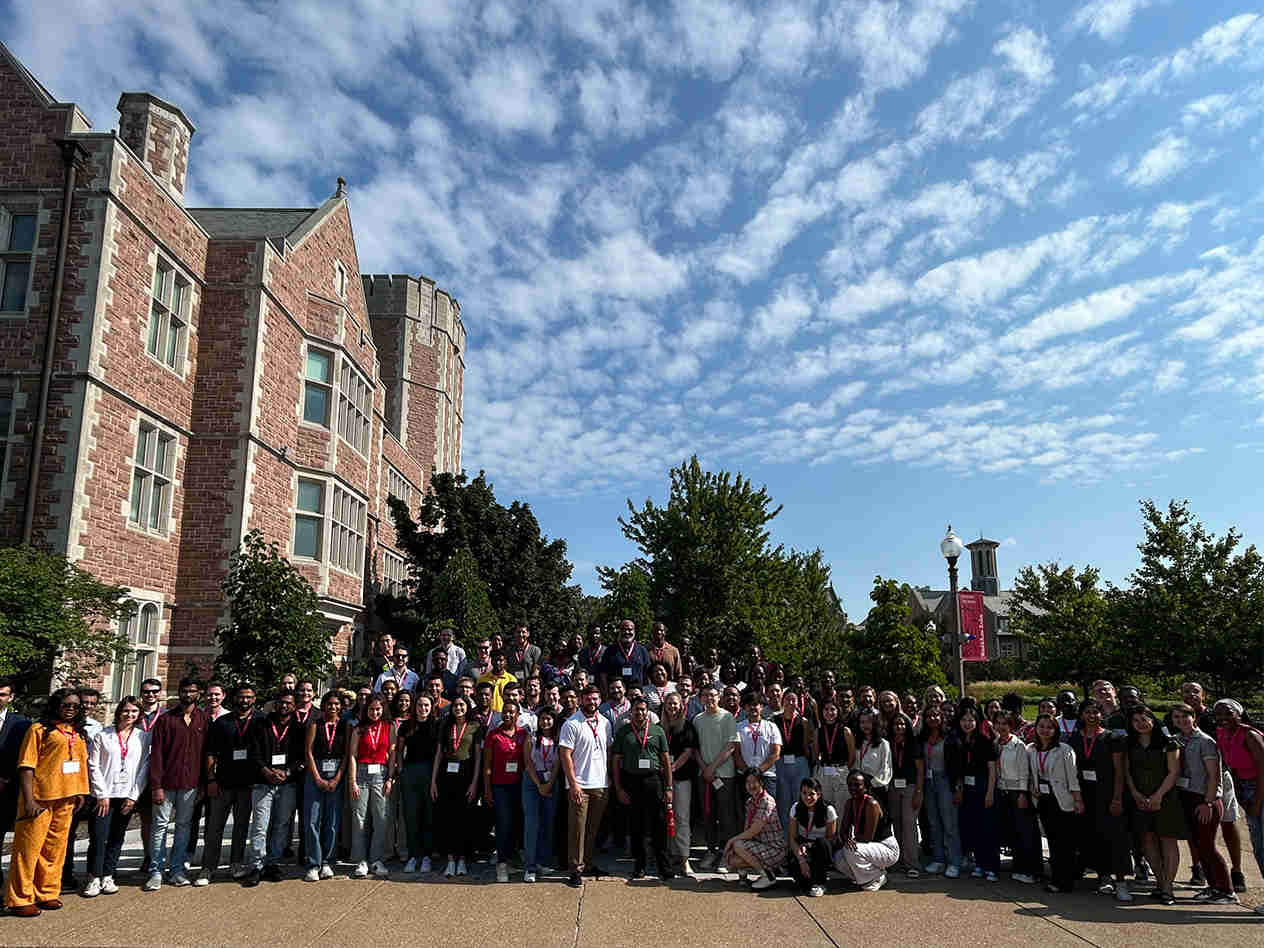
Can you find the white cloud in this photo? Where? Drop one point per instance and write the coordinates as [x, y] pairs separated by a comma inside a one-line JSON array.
[[789, 310], [617, 102], [1018, 180], [1169, 377], [878, 291], [705, 194], [1107, 19], [1028, 54], [510, 91], [1171, 154], [893, 40]]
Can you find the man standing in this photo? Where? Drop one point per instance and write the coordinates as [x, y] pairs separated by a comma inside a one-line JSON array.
[[584, 749], [663, 651], [628, 660], [277, 753], [454, 655], [717, 749], [177, 743], [759, 743], [13, 727], [90, 699], [215, 695], [150, 710], [438, 665], [480, 664], [1069, 713], [643, 783], [497, 678], [404, 677], [383, 649], [229, 779], [524, 658], [590, 656]]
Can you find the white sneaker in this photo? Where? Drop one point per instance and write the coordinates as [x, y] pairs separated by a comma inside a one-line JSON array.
[[426, 865], [688, 870], [816, 891], [153, 883], [411, 866], [766, 881], [935, 868], [203, 880], [462, 869], [449, 870], [312, 875], [876, 884], [502, 872], [361, 871], [92, 889], [326, 871], [1023, 878], [528, 877], [380, 870], [179, 880], [108, 886]]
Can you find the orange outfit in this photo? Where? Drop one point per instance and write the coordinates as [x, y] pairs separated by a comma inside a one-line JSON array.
[[39, 843]]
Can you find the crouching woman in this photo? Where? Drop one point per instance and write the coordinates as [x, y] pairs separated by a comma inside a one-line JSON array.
[[867, 843]]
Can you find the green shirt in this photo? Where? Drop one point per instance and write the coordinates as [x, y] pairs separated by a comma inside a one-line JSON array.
[[627, 741], [715, 732]]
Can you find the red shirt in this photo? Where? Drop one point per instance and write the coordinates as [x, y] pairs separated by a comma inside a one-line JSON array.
[[375, 743], [506, 750]]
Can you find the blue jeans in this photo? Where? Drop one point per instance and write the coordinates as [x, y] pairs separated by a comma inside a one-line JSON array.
[[507, 798], [789, 776], [176, 806], [322, 813], [943, 819], [1247, 789], [537, 824], [370, 806], [272, 808]]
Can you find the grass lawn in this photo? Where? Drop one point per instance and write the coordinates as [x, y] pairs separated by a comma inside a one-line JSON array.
[[1033, 692]]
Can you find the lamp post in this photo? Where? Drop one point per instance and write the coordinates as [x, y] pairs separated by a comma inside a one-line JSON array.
[[951, 546]]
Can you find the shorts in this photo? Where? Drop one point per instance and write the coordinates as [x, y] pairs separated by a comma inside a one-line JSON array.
[[1230, 799]]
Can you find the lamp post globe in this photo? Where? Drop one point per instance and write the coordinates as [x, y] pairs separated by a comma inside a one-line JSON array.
[[951, 546]]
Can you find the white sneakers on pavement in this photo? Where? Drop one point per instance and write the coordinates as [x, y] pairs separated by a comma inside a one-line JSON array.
[[312, 875], [108, 886], [380, 870], [361, 871], [326, 871], [766, 881], [153, 883], [92, 889]]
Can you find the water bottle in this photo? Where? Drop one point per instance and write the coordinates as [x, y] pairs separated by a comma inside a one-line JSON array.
[[671, 822]]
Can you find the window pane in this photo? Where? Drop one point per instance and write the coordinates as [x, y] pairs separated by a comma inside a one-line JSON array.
[[158, 493], [173, 344], [120, 676], [155, 329], [146, 665], [178, 297], [15, 277], [138, 496], [311, 496], [162, 283], [148, 617], [316, 404], [318, 365], [142, 442], [307, 537], [6, 409], [22, 232], [160, 456]]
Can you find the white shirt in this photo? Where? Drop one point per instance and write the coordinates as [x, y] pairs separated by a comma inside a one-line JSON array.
[[109, 774], [1015, 765], [590, 750], [92, 727], [756, 741], [456, 656], [526, 719], [875, 760]]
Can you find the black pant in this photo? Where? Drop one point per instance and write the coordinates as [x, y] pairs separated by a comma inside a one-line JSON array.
[[458, 818], [1018, 830], [1103, 844], [110, 830], [645, 812], [1061, 830], [818, 859], [8, 811], [234, 800], [84, 814]]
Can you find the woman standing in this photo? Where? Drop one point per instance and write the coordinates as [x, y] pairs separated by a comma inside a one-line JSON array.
[[868, 846], [873, 755], [326, 750], [941, 778], [370, 788], [1154, 767], [795, 764], [976, 794], [1015, 811], [53, 773], [682, 745], [813, 827], [835, 750], [502, 781], [908, 778], [1201, 796], [412, 764], [1103, 844], [454, 785], [540, 793], [118, 768], [761, 845], [1057, 799]]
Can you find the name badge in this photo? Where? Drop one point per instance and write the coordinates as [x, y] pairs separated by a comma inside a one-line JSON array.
[[454, 766], [899, 783], [278, 760], [329, 766], [239, 754], [372, 769], [1045, 787], [72, 767], [643, 763], [627, 671], [969, 781], [831, 771], [544, 776], [511, 767], [1182, 782], [1089, 775], [718, 783], [789, 758]]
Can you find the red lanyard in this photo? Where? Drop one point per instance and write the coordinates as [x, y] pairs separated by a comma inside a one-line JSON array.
[[70, 742], [899, 756], [330, 730], [829, 740], [302, 716], [855, 809], [751, 806], [147, 722], [627, 656], [373, 734], [546, 752], [595, 723], [400, 677], [788, 729], [280, 738], [1042, 756], [456, 738], [754, 738], [123, 743], [241, 731], [646, 739], [864, 749], [1089, 744]]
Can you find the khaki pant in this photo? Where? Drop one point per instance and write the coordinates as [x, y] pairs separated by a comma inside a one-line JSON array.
[[904, 825], [584, 818], [39, 852]]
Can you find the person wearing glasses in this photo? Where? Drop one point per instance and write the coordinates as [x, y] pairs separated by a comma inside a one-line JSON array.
[[404, 677], [479, 664], [150, 710]]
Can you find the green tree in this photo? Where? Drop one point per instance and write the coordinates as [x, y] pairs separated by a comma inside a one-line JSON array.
[[275, 625], [526, 573], [627, 596], [56, 619], [460, 597], [1071, 625], [889, 650]]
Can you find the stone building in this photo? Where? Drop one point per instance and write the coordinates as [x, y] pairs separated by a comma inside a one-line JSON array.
[[213, 371]]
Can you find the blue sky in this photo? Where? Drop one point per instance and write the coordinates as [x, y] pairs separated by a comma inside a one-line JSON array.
[[995, 263]]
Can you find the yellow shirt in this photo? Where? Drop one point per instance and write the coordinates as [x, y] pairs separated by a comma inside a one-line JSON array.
[[498, 688], [48, 752]]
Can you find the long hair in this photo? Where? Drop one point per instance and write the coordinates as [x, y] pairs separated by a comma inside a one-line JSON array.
[[50, 717], [363, 718], [1057, 731], [552, 729], [806, 818], [122, 706]]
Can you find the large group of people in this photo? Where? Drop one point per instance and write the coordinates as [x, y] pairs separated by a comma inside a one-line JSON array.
[[546, 762]]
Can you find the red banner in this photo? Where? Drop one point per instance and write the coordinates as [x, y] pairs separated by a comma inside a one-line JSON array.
[[973, 639]]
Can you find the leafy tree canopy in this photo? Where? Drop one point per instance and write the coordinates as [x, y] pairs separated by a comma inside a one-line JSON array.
[[889, 651]]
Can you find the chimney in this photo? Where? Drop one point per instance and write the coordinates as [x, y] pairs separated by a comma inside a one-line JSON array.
[[158, 132]]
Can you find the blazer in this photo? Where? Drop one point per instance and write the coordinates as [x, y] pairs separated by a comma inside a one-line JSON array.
[[11, 734], [1059, 773]]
